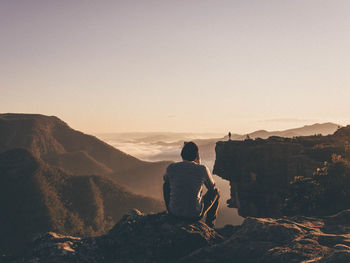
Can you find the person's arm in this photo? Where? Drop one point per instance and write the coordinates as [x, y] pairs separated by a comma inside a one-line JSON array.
[[166, 191], [209, 181]]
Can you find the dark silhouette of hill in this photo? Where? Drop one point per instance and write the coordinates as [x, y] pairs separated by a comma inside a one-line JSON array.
[[36, 198], [52, 140]]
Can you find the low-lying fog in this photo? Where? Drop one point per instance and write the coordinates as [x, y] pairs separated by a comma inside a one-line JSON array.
[[162, 146]]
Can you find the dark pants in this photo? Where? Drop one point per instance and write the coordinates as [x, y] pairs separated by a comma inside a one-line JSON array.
[[210, 202]]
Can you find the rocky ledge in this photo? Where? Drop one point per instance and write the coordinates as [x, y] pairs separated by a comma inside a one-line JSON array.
[[160, 238], [286, 239], [135, 238]]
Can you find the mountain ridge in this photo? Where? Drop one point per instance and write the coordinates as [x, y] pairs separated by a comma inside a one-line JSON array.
[[53, 141]]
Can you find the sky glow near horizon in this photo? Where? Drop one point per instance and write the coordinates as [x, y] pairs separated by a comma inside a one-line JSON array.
[[186, 66]]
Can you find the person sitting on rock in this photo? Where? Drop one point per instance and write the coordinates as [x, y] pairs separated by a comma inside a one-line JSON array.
[[183, 188]]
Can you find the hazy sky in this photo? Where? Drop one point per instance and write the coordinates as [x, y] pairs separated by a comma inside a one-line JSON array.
[[182, 65]]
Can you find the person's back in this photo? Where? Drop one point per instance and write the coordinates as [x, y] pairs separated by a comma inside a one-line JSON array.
[[186, 181], [183, 187]]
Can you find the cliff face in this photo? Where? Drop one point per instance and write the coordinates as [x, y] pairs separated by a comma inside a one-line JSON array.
[[260, 170]]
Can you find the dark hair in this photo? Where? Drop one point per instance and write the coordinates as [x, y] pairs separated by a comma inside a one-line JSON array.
[[189, 151]]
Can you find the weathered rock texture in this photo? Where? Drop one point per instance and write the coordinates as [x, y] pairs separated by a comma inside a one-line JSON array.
[[159, 238], [136, 238], [260, 171], [294, 239]]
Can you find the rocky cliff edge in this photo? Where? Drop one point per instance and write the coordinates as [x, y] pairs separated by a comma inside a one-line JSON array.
[[160, 238]]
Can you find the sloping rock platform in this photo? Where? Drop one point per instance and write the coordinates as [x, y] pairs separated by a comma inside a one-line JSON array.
[[294, 239], [160, 238]]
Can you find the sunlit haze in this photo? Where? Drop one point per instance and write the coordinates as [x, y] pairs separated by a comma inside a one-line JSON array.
[[185, 66]]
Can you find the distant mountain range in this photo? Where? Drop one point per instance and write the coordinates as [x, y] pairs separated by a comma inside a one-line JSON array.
[[53, 178], [207, 146], [307, 130], [168, 138], [152, 137]]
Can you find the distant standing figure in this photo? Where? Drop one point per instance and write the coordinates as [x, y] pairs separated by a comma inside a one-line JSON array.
[[183, 188], [229, 136]]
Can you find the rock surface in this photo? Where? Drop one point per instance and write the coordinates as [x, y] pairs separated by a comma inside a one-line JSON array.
[[160, 238], [294, 239], [135, 238]]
